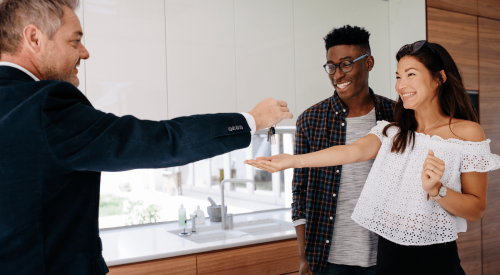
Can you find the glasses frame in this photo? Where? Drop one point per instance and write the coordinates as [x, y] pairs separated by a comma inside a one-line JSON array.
[[415, 47], [351, 63]]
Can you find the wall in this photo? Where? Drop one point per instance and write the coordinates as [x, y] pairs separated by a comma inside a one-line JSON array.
[[172, 58], [470, 31]]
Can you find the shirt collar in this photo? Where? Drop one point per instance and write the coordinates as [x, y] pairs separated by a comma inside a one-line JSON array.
[[14, 65], [341, 108]]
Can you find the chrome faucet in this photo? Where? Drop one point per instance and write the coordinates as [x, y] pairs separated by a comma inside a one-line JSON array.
[[193, 221], [222, 208]]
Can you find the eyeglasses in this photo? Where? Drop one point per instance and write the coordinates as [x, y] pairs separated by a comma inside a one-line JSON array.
[[411, 48], [345, 66]]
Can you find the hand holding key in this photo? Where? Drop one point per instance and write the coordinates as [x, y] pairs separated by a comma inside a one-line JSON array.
[[270, 112]]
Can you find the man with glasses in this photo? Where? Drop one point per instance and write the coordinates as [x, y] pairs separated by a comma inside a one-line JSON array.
[[330, 242]]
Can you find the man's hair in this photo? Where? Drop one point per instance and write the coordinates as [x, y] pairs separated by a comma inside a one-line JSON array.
[[348, 35], [17, 14]]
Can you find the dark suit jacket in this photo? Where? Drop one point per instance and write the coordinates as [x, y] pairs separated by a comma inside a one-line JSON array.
[[53, 145]]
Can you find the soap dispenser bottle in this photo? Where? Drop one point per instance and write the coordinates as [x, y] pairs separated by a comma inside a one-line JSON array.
[[200, 216], [182, 215]]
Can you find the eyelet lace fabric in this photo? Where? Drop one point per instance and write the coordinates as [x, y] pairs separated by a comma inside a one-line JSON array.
[[393, 203]]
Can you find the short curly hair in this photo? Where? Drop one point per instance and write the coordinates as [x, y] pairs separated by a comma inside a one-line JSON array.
[[348, 35]]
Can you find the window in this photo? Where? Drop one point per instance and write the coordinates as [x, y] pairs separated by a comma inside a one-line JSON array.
[[155, 195]]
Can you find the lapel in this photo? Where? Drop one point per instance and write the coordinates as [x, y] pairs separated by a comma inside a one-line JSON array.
[[11, 73]]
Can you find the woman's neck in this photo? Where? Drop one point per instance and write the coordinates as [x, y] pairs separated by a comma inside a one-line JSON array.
[[429, 116]]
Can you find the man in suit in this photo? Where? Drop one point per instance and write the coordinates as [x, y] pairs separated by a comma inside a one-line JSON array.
[[54, 144]]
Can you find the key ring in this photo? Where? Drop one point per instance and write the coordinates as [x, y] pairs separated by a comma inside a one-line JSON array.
[[271, 134]]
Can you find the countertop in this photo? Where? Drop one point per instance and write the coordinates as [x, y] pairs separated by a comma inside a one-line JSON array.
[[150, 242]]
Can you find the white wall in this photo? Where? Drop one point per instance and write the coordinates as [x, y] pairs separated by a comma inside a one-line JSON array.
[[160, 59]]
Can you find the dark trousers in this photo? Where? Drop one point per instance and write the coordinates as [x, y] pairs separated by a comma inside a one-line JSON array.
[[337, 269], [439, 259]]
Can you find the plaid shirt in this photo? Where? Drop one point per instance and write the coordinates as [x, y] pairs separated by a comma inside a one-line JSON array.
[[314, 196]]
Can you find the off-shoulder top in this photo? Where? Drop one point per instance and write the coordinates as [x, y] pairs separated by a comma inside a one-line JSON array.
[[393, 203]]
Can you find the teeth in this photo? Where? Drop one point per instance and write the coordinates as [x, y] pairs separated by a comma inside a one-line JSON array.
[[343, 85], [408, 94]]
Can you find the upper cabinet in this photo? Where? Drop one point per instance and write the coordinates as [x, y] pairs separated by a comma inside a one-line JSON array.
[[200, 57], [126, 71], [456, 32], [379, 29], [489, 100], [81, 69], [462, 6], [483, 8], [311, 24], [489, 8], [265, 65], [162, 59]]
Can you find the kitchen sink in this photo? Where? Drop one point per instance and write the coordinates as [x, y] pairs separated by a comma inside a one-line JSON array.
[[266, 228], [213, 233], [217, 235]]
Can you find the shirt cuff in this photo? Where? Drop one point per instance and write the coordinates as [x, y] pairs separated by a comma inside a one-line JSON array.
[[299, 222], [250, 122]]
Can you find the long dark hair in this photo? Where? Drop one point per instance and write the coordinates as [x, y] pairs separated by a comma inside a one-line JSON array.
[[452, 96]]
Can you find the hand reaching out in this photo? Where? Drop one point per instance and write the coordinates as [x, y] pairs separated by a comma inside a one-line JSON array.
[[432, 171], [275, 163], [270, 112]]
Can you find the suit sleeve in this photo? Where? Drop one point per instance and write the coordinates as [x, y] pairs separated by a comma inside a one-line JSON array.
[[300, 175], [86, 139]]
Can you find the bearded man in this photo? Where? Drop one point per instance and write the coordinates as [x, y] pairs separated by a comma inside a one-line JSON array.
[[54, 144]]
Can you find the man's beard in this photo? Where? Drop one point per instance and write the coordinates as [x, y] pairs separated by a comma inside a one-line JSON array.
[[51, 73]]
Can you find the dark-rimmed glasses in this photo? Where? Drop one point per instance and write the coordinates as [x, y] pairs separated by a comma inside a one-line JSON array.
[[414, 47], [345, 66]]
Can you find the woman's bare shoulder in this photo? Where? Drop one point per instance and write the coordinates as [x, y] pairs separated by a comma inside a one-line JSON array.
[[467, 130]]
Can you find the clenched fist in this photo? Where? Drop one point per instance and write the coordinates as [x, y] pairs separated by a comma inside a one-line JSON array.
[[432, 171], [270, 112]]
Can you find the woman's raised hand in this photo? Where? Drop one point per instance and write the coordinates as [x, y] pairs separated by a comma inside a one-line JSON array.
[[432, 171], [275, 163]]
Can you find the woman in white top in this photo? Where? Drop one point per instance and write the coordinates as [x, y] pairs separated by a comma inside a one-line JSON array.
[[435, 148]]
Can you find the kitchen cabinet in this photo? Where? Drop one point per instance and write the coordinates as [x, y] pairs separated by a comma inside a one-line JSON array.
[[488, 9], [184, 265], [126, 71], [456, 32], [489, 100], [273, 258], [264, 53], [200, 57], [313, 22], [269, 258], [462, 6], [81, 69]]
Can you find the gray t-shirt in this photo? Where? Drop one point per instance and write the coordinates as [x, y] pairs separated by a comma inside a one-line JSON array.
[[353, 244]]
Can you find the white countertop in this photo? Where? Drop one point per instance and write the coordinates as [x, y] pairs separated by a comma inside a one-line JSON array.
[[150, 242]]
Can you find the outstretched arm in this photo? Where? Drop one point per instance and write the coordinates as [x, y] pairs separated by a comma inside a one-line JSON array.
[[361, 150]]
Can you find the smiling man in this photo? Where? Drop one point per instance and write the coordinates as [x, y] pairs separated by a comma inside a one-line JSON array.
[[330, 242], [54, 144]]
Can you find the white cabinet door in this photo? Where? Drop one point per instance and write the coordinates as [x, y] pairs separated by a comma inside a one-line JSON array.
[[401, 12], [264, 53], [126, 72], [81, 69], [312, 23], [200, 57], [374, 17]]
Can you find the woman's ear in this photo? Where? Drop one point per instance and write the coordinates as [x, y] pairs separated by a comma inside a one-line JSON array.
[[443, 77]]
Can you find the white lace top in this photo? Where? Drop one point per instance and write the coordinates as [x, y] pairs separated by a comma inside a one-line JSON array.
[[393, 203]]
